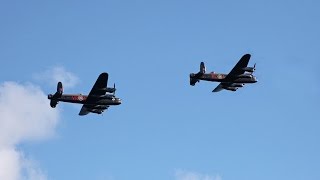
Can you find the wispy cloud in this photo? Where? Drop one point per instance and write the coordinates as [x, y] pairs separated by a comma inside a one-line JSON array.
[[191, 175], [24, 116], [56, 74]]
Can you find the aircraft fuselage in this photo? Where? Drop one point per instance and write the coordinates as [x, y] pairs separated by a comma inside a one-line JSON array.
[[217, 77], [82, 99]]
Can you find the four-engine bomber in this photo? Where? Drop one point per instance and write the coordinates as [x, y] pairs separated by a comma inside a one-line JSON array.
[[98, 100], [237, 78]]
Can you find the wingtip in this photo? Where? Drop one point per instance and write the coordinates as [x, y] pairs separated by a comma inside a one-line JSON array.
[[247, 55], [103, 75], [216, 90]]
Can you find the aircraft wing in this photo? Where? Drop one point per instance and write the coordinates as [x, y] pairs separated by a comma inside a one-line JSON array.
[[98, 89], [227, 86], [218, 88], [86, 109], [238, 68]]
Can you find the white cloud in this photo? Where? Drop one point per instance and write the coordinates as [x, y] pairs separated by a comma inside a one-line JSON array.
[[31, 170], [190, 175], [25, 115], [56, 74], [9, 164]]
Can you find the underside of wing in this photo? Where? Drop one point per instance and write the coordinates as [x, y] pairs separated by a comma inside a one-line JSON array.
[[218, 88], [83, 111], [228, 86], [238, 68], [98, 109]]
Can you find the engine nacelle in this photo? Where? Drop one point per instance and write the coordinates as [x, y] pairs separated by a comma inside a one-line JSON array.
[[249, 69], [101, 107], [230, 88], [110, 90], [95, 111], [237, 85], [244, 76], [107, 96]]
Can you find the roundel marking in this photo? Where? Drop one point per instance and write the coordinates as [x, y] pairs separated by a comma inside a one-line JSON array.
[[80, 98]]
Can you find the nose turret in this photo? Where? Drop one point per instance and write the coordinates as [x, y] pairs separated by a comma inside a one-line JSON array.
[[117, 101], [255, 79]]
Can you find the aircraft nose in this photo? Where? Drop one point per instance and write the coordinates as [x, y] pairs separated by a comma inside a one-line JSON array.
[[118, 100]]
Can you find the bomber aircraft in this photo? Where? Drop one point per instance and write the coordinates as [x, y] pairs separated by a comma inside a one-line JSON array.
[[237, 78], [98, 100]]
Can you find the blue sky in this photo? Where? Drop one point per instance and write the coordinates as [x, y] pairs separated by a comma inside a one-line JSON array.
[[165, 129]]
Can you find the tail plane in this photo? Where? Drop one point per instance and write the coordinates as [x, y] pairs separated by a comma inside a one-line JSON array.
[[58, 94], [194, 77]]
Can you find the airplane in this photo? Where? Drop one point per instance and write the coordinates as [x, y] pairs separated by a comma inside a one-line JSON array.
[[237, 78], [98, 100]]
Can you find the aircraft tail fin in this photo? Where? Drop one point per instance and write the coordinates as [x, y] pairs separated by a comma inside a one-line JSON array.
[[202, 68], [58, 94], [194, 78], [59, 88]]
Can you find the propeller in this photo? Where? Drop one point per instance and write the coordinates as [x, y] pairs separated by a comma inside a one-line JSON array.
[[114, 87], [254, 67]]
